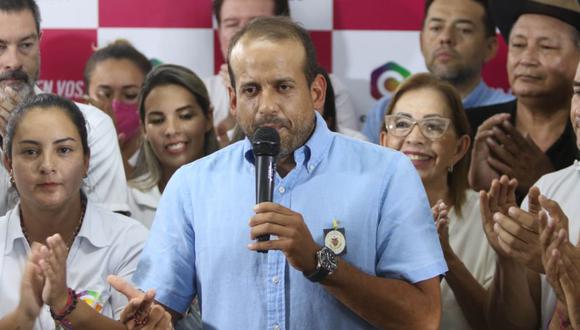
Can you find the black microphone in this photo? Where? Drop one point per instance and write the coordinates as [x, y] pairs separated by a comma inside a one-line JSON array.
[[266, 146]]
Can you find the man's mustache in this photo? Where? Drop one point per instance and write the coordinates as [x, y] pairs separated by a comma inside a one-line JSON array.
[[15, 75], [275, 121]]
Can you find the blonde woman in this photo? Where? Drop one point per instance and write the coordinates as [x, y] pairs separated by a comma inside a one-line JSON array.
[[177, 125]]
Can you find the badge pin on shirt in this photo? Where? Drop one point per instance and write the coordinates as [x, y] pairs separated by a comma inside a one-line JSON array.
[[335, 238]]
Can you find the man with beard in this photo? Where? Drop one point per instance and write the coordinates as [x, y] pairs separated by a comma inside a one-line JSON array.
[[19, 71], [457, 39], [353, 244], [231, 16], [532, 136]]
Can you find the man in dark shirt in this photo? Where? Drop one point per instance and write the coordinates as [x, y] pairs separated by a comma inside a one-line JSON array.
[[530, 136]]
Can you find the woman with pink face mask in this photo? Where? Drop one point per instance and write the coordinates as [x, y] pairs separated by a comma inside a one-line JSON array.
[[113, 77]]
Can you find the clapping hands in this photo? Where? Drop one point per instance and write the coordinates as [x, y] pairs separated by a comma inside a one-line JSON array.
[[560, 258], [44, 282], [440, 212], [499, 148]]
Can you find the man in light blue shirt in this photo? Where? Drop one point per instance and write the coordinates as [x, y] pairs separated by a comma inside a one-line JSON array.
[[457, 39], [353, 244]]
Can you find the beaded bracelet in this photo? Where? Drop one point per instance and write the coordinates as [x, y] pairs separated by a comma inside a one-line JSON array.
[[564, 320], [71, 304]]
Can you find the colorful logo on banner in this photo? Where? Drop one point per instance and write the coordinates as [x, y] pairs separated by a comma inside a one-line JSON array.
[[386, 78], [155, 62]]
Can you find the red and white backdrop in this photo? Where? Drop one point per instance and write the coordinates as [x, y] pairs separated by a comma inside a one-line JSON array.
[[369, 44]]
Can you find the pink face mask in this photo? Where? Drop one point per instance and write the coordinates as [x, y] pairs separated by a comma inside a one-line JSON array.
[[127, 118]]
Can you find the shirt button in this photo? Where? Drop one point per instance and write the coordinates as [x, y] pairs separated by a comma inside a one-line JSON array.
[[276, 327], [282, 190], [275, 279]]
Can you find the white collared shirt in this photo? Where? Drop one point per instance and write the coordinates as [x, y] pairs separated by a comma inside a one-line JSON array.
[[105, 183], [468, 241], [143, 204], [107, 244], [562, 186]]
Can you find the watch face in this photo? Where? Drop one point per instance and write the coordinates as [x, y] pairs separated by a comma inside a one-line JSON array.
[[328, 260]]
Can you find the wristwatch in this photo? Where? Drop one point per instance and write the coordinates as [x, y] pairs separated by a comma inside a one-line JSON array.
[[326, 264]]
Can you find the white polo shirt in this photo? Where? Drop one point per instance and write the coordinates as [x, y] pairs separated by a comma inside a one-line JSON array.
[[107, 244], [143, 204], [468, 241], [563, 186], [106, 184]]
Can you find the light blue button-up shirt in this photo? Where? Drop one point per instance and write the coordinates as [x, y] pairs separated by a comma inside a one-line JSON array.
[[198, 242], [480, 96]]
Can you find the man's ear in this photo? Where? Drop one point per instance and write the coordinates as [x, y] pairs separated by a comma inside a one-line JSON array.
[[491, 45], [422, 36], [233, 101], [318, 91]]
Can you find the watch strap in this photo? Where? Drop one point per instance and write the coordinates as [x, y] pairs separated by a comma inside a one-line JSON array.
[[317, 276]]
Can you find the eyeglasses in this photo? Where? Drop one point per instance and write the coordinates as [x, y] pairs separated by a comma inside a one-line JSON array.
[[432, 128]]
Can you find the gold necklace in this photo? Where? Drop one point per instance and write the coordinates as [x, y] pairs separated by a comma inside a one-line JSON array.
[[75, 233]]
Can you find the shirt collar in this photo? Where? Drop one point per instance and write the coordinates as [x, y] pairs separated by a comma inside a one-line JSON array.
[[14, 230], [471, 99], [91, 229], [149, 198], [309, 154]]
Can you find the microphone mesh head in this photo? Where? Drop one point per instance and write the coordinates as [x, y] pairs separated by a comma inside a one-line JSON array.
[[266, 142]]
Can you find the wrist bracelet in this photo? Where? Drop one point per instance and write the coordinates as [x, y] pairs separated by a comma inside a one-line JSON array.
[[563, 318], [71, 304]]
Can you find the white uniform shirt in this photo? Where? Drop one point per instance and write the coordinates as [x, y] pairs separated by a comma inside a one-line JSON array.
[[346, 116], [563, 186], [8, 195], [143, 204], [468, 241], [107, 244], [105, 184]]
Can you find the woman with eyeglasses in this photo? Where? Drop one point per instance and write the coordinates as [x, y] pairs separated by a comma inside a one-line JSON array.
[[426, 121]]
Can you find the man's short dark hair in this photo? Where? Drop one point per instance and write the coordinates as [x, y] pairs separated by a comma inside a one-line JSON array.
[[281, 8], [277, 28], [11, 6], [488, 23]]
